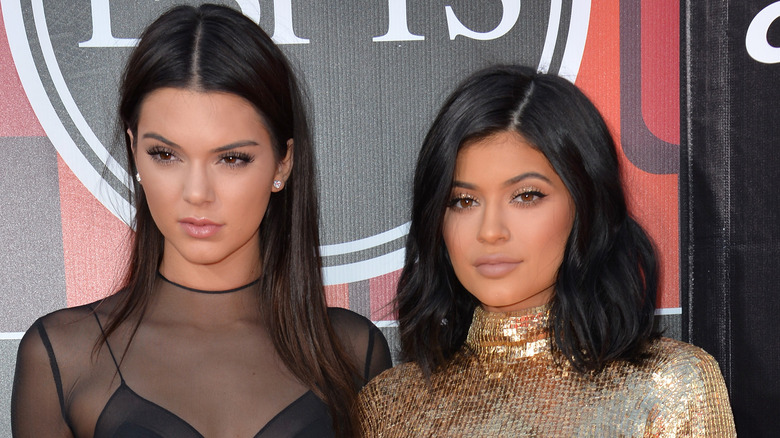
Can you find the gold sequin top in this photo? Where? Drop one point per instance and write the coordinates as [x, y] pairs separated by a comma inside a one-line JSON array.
[[504, 382]]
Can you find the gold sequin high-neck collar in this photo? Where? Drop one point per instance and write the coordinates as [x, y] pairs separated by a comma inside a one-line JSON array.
[[509, 336], [506, 382]]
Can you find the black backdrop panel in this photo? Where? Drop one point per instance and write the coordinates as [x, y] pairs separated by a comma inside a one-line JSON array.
[[730, 198]]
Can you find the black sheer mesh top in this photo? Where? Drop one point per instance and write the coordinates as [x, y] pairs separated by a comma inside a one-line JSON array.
[[211, 378]]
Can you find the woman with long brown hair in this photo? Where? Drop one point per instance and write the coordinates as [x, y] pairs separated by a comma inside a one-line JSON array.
[[222, 328]]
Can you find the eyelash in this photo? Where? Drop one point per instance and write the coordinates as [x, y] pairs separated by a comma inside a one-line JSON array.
[[453, 203], [240, 158], [156, 151], [536, 194]]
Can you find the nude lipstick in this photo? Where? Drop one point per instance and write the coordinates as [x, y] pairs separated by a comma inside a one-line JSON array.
[[199, 228], [495, 265]]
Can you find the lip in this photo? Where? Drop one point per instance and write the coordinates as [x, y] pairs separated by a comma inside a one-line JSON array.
[[199, 228], [496, 265]]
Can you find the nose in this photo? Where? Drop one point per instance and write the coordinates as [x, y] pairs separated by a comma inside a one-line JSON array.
[[492, 228], [198, 187]]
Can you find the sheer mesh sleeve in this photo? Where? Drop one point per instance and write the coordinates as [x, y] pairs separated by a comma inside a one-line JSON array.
[[378, 357], [366, 343], [37, 404]]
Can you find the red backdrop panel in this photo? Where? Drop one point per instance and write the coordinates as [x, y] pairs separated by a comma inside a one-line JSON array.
[[653, 199]]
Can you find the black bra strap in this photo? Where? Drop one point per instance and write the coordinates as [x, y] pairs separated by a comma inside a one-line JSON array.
[[110, 351], [55, 369]]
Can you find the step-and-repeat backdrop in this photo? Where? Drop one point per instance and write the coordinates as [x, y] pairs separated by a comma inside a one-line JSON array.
[[730, 199], [376, 72]]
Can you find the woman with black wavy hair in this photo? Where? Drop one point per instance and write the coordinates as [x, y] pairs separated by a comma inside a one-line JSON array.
[[527, 298], [221, 327]]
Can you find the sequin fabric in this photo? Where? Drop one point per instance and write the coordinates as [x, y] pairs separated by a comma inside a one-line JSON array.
[[505, 382]]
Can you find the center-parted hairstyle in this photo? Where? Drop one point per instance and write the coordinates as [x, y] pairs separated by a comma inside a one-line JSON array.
[[604, 300], [217, 49]]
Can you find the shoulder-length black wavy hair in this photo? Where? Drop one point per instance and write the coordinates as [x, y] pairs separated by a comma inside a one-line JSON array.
[[603, 305], [215, 48]]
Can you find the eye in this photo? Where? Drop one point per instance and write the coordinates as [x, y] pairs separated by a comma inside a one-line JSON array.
[[236, 159], [462, 202], [528, 196], [161, 154]]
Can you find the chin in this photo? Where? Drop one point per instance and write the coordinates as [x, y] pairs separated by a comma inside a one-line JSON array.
[[512, 304], [208, 258], [499, 300]]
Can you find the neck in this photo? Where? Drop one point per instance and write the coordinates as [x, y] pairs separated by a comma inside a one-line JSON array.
[[208, 292], [210, 277], [509, 336], [174, 303]]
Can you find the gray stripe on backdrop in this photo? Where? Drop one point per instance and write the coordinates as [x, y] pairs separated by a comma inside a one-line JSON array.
[[32, 265], [359, 297], [7, 365]]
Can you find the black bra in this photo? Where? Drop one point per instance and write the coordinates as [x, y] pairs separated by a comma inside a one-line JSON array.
[[127, 414]]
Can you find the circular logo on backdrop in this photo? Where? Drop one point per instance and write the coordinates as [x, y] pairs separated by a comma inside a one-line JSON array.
[[376, 73]]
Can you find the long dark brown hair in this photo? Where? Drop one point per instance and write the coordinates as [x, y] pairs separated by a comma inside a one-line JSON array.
[[215, 48]]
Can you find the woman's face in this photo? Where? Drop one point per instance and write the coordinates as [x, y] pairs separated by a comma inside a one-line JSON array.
[[207, 168], [507, 223]]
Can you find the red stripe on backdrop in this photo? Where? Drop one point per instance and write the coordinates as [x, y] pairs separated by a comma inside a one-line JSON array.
[[17, 118], [383, 290], [337, 295], [661, 68], [94, 242], [653, 199]]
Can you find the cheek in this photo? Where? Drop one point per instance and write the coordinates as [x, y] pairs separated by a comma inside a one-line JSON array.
[[161, 195], [553, 242], [254, 208], [447, 231], [455, 233], [160, 184], [246, 200]]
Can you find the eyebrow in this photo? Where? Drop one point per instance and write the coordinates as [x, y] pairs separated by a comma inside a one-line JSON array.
[[509, 182], [227, 147]]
